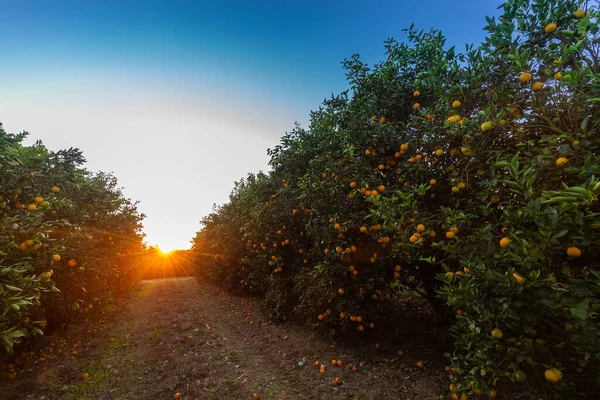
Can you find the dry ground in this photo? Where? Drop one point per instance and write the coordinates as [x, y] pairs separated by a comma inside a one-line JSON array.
[[178, 335]]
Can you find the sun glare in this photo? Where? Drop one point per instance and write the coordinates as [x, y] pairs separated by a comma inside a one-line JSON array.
[[164, 252]]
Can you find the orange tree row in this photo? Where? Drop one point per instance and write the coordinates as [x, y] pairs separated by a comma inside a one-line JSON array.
[[469, 178], [67, 238]]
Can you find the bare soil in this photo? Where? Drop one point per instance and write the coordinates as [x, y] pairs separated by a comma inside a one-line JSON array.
[[181, 336]]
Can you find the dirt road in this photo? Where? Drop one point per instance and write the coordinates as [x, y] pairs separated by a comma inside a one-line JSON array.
[[180, 336]]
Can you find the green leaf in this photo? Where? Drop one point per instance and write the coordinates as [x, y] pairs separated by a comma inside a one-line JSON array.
[[578, 313]]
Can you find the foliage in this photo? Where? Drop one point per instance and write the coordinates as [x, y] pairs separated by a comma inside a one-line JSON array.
[[470, 178], [67, 237]]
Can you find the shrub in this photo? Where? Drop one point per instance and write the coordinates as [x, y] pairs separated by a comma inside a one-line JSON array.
[[468, 178]]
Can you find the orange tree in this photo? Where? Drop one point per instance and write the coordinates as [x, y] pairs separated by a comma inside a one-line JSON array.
[[468, 178], [67, 238]]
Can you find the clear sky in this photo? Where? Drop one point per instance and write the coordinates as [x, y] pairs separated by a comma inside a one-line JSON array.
[[181, 98]]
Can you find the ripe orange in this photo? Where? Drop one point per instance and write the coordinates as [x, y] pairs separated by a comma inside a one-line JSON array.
[[339, 363], [382, 120], [454, 118], [341, 291], [487, 126], [420, 364], [439, 152], [38, 199], [497, 334], [420, 228], [353, 185], [518, 277], [537, 86], [320, 317], [461, 185], [450, 235], [579, 14], [85, 376], [493, 394], [553, 375], [453, 388], [416, 93], [561, 161], [456, 104], [72, 263], [551, 27], [505, 242], [525, 77], [574, 252], [54, 189], [404, 147], [337, 226], [31, 207], [416, 105], [381, 188]]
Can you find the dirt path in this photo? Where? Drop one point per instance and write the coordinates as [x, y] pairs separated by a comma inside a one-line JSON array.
[[177, 335]]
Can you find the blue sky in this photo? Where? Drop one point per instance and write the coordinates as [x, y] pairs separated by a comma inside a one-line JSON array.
[[181, 98]]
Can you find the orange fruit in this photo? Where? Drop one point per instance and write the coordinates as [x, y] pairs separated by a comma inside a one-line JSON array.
[[525, 77], [493, 394], [420, 228], [54, 189], [574, 252], [553, 375], [450, 235], [38, 199], [432, 182], [337, 226], [72, 263], [551, 27], [382, 120], [505, 242], [420, 364], [381, 188], [341, 291], [453, 388], [518, 277], [537, 86], [416, 93], [561, 161], [461, 185], [320, 317], [497, 334], [85, 376], [487, 126], [579, 14], [456, 104], [363, 229], [31, 207], [416, 105], [404, 147], [439, 152], [339, 363]]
